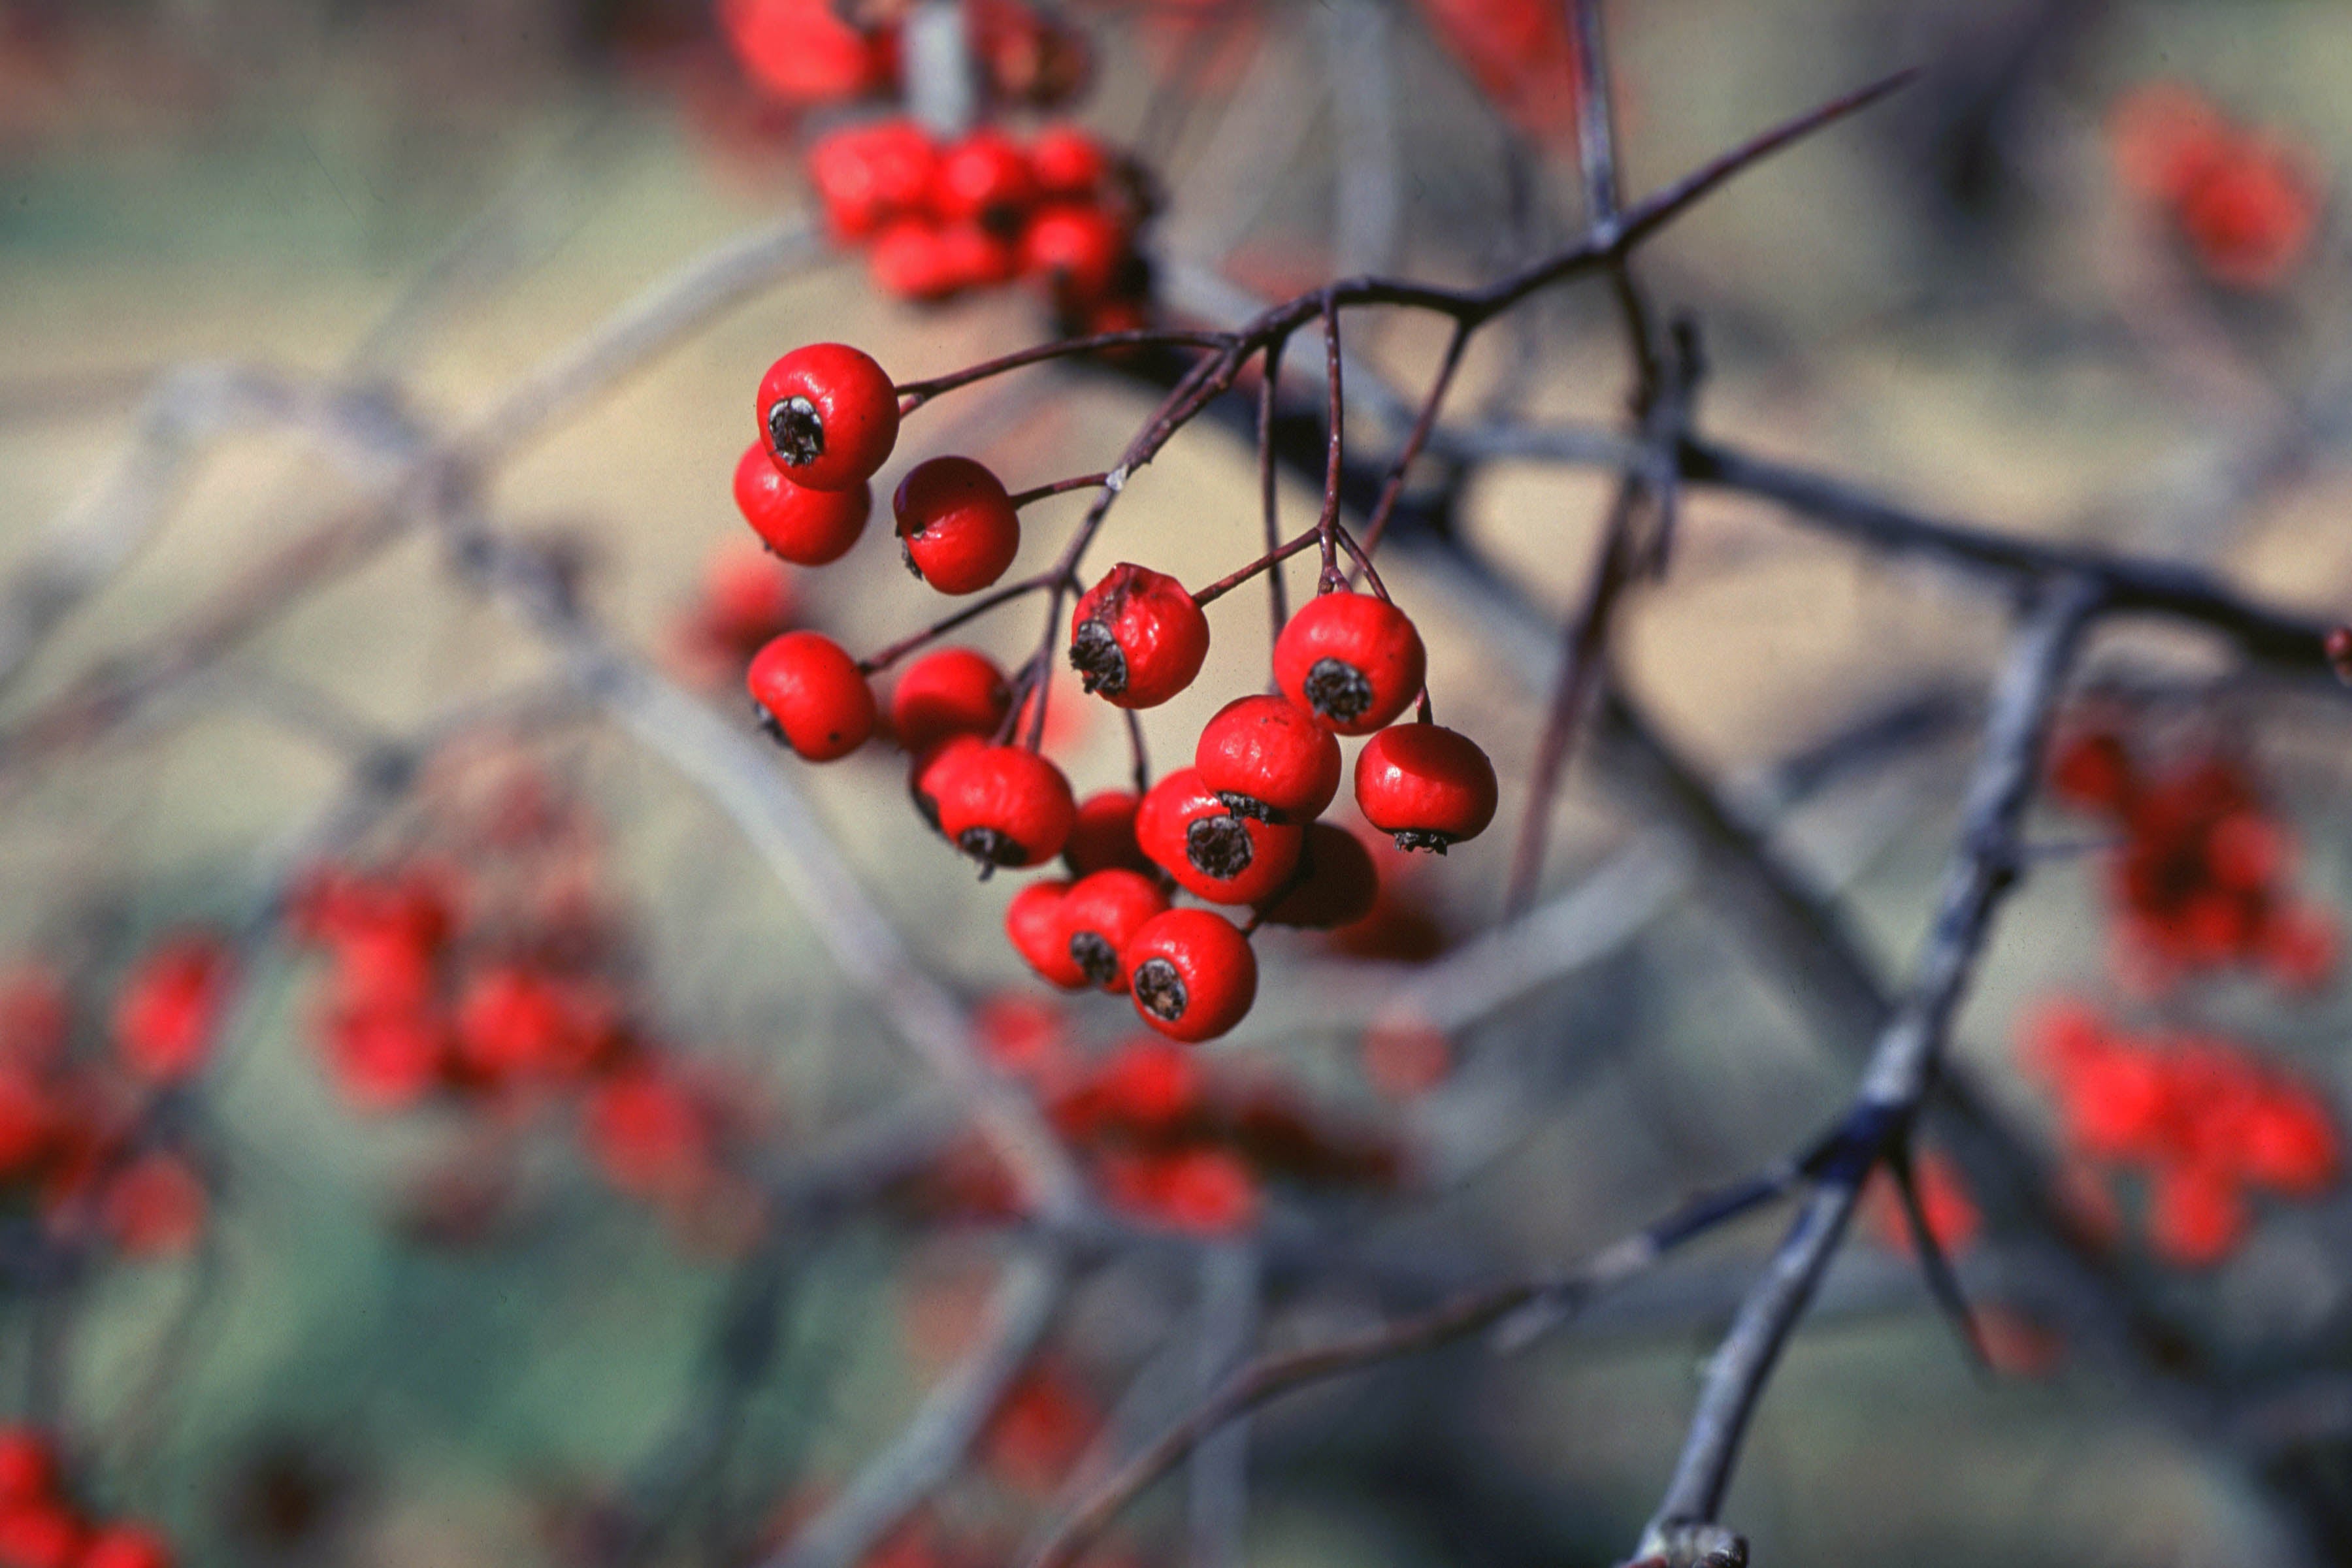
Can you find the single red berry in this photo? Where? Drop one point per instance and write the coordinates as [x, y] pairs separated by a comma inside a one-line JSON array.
[[1193, 973], [386, 1059], [1263, 756], [1102, 912], [948, 691], [931, 766], [1337, 883], [1067, 162], [806, 527], [1033, 922], [1352, 661], [28, 1467], [1103, 836], [811, 696], [972, 256], [2093, 770], [1080, 246], [801, 50], [1429, 785], [126, 1546], [1003, 805], [985, 179], [1137, 638], [170, 1006], [2196, 1216], [1196, 839], [828, 416], [956, 524], [867, 174], [648, 1134]]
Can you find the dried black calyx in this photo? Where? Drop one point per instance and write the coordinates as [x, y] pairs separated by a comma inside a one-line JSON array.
[[796, 431], [906, 557], [1160, 989], [1101, 662], [991, 849], [1218, 846], [1095, 958], [1423, 838], [1248, 805], [1337, 690], [769, 727]]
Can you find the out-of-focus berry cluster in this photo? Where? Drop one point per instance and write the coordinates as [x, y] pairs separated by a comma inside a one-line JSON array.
[[44, 1525], [2245, 202]]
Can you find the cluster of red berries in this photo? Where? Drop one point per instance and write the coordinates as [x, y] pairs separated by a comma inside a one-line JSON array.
[[41, 1525], [1237, 828], [939, 219], [508, 1011], [2201, 880], [75, 1140], [1166, 1139], [807, 52], [2245, 202], [2208, 1120]]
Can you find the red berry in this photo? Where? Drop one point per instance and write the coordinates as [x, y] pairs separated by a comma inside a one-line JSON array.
[[1102, 912], [956, 524], [1429, 785], [973, 256], [1080, 246], [1066, 162], [125, 1546], [983, 178], [923, 779], [1197, 839], [1137, 638], [29, 1121], [828, 416], [949, 691], [1193, 973], [1033, 922], [910, 259], [1103, 836], [1337, 884], [1003, 805], [801, 50], [2251, 218], [806, 527], [386, 1059], [2093, 771], [811, 696], [155, 1206], [1352, 661], [2196, 1216], [1263, 756], [868, 174], [647, 1133], [171, 1007], [28, 1467]]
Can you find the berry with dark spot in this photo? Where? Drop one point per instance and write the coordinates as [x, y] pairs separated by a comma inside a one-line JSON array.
[[1137, 638], [1002, 805], [828, 416], [1352, 661], [1099, 917], [1195, 837], [1429, 785], [1192, 974], [1033, 922], [949, 691]]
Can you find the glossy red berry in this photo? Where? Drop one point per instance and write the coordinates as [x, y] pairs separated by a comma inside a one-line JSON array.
[[806, 527], [867, 174], [828, 416], [949, 691], [956, 524], [811, 696], [1191, 972], [125, 1546], [984, 178], [1033, 922], [1429, 785], [1137, 638], [1103, 836], [1352, 661], [1003, 805], [1263, 756], [1101, 913], [1337, 883], [1066, 162], [1227, 859], [931, 766]]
